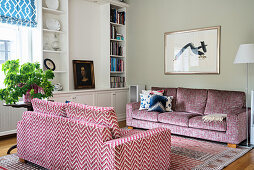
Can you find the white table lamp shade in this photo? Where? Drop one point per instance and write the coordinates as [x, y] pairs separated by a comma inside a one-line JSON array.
[[245, 54]]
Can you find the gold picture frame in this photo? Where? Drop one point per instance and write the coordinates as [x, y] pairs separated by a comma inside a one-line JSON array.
[[194, 51]]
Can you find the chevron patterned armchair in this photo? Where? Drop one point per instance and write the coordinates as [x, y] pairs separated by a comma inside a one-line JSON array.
[[56, 141]]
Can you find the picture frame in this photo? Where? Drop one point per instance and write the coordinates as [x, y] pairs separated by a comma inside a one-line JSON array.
[[83, 72], [194, 51]]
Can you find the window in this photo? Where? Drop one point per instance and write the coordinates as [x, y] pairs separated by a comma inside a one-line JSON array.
[[4, 50], [15, 43]]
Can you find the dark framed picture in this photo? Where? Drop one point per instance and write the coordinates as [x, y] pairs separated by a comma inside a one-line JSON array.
[[83, 74]]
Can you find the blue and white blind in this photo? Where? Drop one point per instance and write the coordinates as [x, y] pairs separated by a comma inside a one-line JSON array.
[[18, 12]]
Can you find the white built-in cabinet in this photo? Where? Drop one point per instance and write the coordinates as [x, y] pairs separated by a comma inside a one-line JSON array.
[[116, 98]]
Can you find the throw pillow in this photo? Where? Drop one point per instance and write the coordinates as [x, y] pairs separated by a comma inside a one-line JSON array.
[[153, 92], [144, 101], [169, 103], [48, 107], [158, 103], [98, 115]]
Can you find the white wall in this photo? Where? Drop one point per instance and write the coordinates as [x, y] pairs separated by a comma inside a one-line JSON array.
[[85, 24], [148, 20]]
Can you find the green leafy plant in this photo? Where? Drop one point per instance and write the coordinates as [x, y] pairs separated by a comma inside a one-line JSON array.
[[21, 79]]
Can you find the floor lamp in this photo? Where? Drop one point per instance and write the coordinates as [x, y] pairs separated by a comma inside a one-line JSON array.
[[245, 55]]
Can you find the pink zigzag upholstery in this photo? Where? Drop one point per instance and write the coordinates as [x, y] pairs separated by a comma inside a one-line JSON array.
[[63, 143], [99, 115], [48, 107]]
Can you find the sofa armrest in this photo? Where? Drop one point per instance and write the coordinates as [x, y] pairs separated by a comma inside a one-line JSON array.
[[236, 125], [150, 149], [130, 107]]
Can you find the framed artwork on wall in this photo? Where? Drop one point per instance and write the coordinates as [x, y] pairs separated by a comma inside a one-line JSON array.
[[195, 51], [83, 74]]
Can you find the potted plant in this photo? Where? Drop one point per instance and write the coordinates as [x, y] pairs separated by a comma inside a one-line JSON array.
[[27, 81]]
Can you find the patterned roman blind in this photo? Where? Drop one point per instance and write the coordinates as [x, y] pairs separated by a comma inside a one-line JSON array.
[[19, 12]]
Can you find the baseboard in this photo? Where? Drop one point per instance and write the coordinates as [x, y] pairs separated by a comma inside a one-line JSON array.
[[121, 117], [8, 132]]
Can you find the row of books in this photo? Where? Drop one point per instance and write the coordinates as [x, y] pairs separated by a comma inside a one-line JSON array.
[[116, 48], [117, 82], [116, 64], [114, 34], [117, 16]]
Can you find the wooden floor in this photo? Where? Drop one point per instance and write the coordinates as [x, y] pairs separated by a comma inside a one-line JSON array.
[[244, 163]]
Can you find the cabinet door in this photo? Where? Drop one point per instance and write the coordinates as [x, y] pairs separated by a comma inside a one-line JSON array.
[[120, 101], [104, 99], [62, 98], [85, 98]]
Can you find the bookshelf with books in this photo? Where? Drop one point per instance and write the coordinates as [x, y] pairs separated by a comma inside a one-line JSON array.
[[117, 46]]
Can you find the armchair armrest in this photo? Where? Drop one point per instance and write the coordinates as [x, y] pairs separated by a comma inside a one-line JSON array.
[[146, 150], [129, 109]]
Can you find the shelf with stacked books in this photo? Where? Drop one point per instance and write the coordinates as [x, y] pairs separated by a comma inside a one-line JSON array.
[[117, 46]]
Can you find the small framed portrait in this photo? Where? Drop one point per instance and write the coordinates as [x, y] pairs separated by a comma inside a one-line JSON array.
[[83, 74]]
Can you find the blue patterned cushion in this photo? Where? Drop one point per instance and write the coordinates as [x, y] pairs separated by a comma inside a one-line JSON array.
[[158, 103], [145, 101]]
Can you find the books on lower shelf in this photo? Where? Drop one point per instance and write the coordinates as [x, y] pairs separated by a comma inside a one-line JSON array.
[[116, 64], [117, 82], [117, 16]]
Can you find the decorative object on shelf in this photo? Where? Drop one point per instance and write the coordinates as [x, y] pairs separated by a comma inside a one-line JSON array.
[[83, 74], [52, 4], [53, 24], [27, 80], [46, 46], [245, 55], [193, 51], [49, 64], [58, 87], [56, 46]]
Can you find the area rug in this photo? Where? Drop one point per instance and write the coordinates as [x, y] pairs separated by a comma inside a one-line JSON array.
[[186, 153]]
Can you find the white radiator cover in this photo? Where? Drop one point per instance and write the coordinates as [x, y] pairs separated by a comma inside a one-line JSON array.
[[8, 119]]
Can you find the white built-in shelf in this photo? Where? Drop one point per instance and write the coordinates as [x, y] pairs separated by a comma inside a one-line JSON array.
[[116, 72], [116, 40], [116, 56], [59, 71], [52, 11], [52, 51], [53, 31], [115, 24]]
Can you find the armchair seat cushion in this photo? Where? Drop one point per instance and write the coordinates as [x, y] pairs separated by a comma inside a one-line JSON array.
[[176, 118], [145, 115], [197, 122]]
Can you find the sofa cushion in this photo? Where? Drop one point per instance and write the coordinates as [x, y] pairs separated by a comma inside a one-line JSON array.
[[158, 103], [168, 92], [48, 107], [191, 100], [99, 115], [144, 101], [145, 115], [197, 122], [176, 118], [224, 102]]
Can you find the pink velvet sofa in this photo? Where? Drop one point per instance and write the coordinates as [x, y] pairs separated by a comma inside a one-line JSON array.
[[74, 136], [189, 105]]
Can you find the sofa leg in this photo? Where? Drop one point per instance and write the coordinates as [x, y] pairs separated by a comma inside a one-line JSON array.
[[130, 127], [22, 160], [232, 145]]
